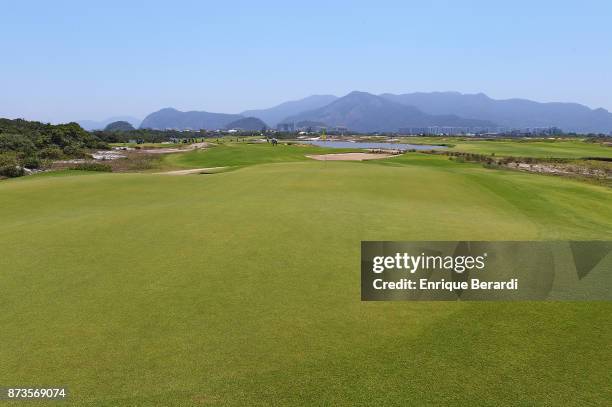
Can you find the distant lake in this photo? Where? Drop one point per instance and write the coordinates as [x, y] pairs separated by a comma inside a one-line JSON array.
[[386, 146]]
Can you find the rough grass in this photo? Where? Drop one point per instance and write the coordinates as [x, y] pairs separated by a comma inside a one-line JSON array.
[[242, 288]]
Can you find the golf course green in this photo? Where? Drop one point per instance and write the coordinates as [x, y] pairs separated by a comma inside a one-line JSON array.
[[542, 149], [243, 154], [570, 148], [243, 287]]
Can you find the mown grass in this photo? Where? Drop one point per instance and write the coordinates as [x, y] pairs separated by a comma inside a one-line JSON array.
[[553, 149], [244, 154], [242, 288], [570, 148]]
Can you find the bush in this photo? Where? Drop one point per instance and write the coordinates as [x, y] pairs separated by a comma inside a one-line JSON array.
[[99, 145], [9, 166], [15, 142], [72, 150], [52, 153], [31, 162], [12, 171], [92, 167]]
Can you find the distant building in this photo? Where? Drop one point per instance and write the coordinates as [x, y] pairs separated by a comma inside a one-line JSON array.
[[288, 127], [450, 130]]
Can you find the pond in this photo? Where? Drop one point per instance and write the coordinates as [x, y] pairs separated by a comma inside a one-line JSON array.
[[385, 146]]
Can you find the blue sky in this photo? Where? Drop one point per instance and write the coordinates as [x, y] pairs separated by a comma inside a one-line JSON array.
[[72, 60]]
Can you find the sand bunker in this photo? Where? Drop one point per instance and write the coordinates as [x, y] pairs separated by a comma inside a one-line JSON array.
[[349, 156]]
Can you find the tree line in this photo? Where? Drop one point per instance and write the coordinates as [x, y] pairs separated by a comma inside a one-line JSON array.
[[27, 144]]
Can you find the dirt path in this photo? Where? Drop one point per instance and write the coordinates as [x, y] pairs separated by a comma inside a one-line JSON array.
[[210, 170], [349, 156]]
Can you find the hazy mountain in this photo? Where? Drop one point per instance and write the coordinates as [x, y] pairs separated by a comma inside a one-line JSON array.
[[364, 112], [276, 114], [99, 125], [247, 123], [309, 123], [119, 126], [514, 113], [170, 118]]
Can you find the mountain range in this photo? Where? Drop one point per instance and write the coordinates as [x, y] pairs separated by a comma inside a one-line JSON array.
[[119, 126], [365, 112], [278, 113], [170, 118], [511, 113], [101, 124], [247, 123]]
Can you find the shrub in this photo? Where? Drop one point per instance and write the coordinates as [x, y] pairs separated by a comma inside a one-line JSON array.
[[92, 167], [72, 150], [15, 142], [100, 145], [144, 162], [52, 153], [31, 162], [9, 166], [12, 171]]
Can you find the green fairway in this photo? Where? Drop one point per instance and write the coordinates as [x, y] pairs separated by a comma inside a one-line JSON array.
[[572, 148], [543, 149], [243, 287], [242, 154]]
